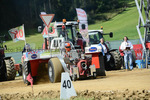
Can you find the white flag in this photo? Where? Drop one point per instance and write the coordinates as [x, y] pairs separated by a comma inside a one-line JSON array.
[[17, 33]]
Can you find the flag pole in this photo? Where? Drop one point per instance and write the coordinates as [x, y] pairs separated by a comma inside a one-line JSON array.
[[49, 42], [24, 37], [24, 34]]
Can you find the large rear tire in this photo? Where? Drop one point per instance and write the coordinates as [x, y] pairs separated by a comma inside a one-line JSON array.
[[115, 62], [11, 72], [117, 59], [3, 72], [26, 71], [55, 69]]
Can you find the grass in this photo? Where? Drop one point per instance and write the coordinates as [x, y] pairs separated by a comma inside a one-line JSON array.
[[31, 39], [122, 24]]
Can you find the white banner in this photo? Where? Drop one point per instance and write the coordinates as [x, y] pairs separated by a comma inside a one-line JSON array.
[[81, 14], [83, 25], [17, 33]]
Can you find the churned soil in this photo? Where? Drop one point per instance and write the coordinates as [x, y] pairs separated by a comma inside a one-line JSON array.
[[117, 85]]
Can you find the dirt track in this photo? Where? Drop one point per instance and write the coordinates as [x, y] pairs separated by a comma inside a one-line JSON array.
[[130, 84]]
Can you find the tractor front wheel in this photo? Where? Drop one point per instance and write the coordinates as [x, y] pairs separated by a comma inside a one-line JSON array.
[[26, 71], [54, 70]]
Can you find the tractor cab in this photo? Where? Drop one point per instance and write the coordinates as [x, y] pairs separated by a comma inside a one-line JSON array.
[[95, 36], [66, 31]]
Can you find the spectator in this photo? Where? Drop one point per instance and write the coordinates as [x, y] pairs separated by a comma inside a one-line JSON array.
[[105, 53], [127, 46], [26, 48], [103, 45]]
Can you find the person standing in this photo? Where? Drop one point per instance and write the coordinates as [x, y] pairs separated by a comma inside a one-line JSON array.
[[103, 45], [127, 46], [105, 53]]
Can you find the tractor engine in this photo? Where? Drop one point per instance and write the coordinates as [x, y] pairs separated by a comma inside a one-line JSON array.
[[83, 68], [82, 63]]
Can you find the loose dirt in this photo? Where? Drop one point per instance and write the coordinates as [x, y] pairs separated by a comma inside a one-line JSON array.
[[115, 85]]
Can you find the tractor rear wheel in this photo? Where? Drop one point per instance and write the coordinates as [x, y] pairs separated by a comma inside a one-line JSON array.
[[11, 72], [3, 72], [116, 61], [26, 71], [54, 70]]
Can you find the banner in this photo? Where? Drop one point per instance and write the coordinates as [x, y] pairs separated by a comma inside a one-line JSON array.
[[83, 25], [17, 33], [51, 31]]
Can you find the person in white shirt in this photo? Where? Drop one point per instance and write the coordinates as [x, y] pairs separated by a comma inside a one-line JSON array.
[[127, 46]]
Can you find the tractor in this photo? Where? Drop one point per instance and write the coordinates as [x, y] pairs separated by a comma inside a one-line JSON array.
[[112, 59], [7, 68], [78, 61]]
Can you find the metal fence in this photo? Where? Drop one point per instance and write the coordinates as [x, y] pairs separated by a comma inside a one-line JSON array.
[[15, 55], [116, 44]]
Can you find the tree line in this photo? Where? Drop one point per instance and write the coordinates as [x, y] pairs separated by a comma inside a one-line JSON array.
[[17, 12]]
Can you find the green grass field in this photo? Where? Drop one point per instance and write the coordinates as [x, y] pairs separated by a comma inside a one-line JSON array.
[[123, 24]]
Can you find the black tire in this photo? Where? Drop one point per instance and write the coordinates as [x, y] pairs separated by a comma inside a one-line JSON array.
[[133, 59], [20, 70], [26, 71], [11, 72], [110, 64], [116, 61], [3, 72], [94, 75], [54, 70]]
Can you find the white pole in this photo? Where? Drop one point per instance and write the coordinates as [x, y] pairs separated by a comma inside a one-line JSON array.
[[24, 37]]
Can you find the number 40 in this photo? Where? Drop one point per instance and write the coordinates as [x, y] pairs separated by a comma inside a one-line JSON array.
[[67, 84]]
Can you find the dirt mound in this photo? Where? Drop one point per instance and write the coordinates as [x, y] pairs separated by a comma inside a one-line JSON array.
[[30, 96], [115, 95], [117, 85], [99, 95]]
